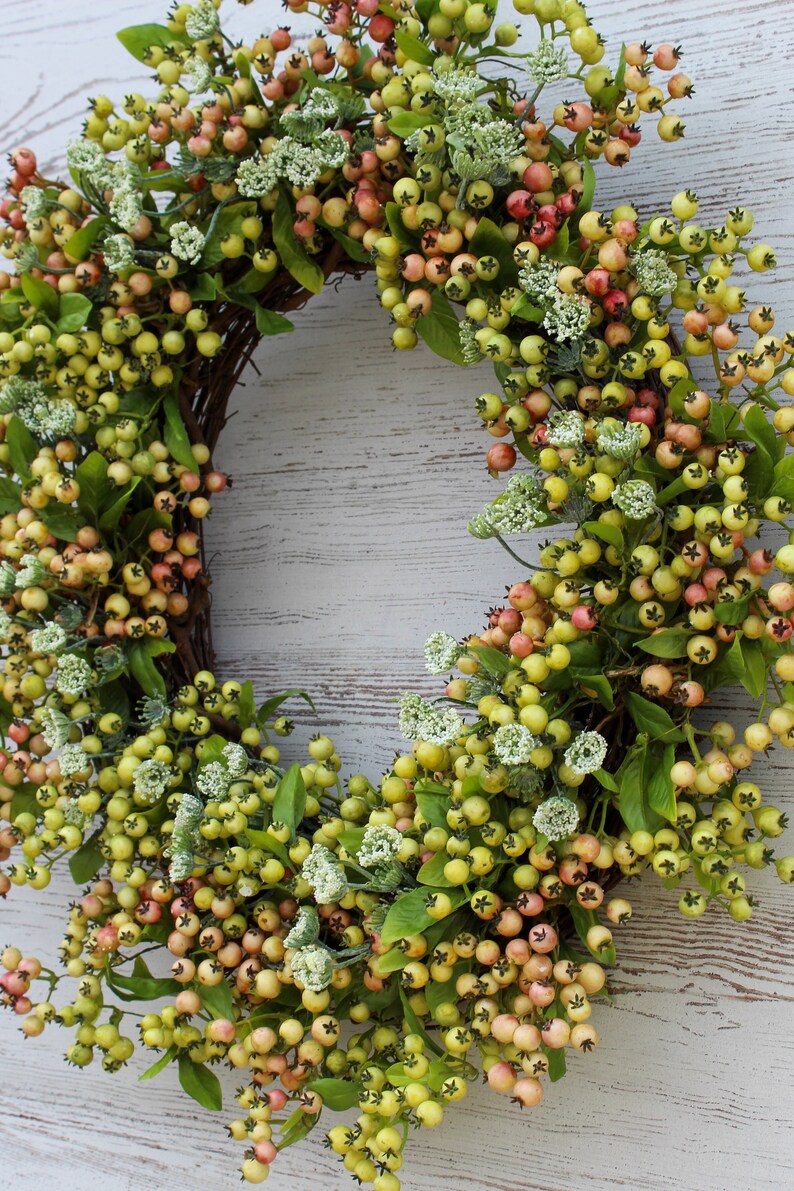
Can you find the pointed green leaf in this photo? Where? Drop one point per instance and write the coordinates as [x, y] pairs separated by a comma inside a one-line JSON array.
[[175, 434], [297, 262], [337, 1094], [290, 801], [200, 1083]]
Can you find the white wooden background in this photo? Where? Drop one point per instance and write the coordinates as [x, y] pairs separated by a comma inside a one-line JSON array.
[[342, 547]]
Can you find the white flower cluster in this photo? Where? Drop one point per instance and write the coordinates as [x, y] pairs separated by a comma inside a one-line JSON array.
[[586, 753], [467, 334], [43, 417], [322, 870], [306, 122], [300, 164], [313, 966], [653, 273], [185, 838], [556, 818], [419, 720], [566, 429], [151, 780], [568, 317], [457, 85], [34, 202], [31, 571], [514, 744], [486, 149], [441, 652], [86, 157], [199, 75], [379, 845], [5, 625], [50, 638], [119, 252], [187, 243], [8, 579], [72, 675], [621, 442], [636, 499], [202, 21], [520, 509], [55, 727], [213, 780], [539, 281], [305, 928], [236, 759], [125, 207], [72, 760], [548, 63]]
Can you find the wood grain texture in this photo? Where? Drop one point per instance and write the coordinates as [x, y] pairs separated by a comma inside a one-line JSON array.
[[342, 547]]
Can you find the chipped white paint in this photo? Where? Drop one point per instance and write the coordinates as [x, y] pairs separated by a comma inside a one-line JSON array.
[[343, 545]]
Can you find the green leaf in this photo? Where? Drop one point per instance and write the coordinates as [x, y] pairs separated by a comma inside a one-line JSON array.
[[142, 985], [408, 916], [351, 839], [404, 124], [305, 271], [247, 705], [527, 310], [583, 920], [263, 839], [137, 39], [175, 434], [62, 523], [96, 490], [10, 496], [73, 312], [728, 668], [200, 1083], [218, 999], [760, 468], [228, 221], [40, 295], [354, 248], [415, 1025], [661, 791], [651, 718], [297, 1126], [113, 698], [86, 862], [635, 808], [556, 1059], [407, 239], [731, 612], [144, 671], [670, 643], [203, 288], [79, 245], [434, 807], [112, 514], [22, 447], [290, 801], [489, 241], [337, 1094], [415, 49], [588, 190], [270, 322], [606, 780], [598, 683], [439, 329], [491, 659], [160, 1065], [606, 532], [753, 677], [274, 702], [24, 800]]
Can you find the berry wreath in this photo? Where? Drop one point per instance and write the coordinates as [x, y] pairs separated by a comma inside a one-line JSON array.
[[454, 911]]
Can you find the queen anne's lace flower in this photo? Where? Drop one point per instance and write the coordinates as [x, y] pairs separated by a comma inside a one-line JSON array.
[[419, 720], [556, 818], [548, 63], [119, 252], [539, 281], [622, 442], [636, 499], [521, 507], [566, 429], [653, 272], [72, 760], [34, 203], [482, 150], [49, 639], [457, 85], [236, 759], [86, 157], [202, 21], [73, 675], [125, 207], [55, 727], [322, 870], [255, 177], [467, 334], [313, 966], [568, 317], [513, 744], [441, 652], [586, 753], [305, 928], [187, 243], [5, 625], [31, 571], [213, 780], [199, 75], [151, 780], [379, 845], [185, 838]]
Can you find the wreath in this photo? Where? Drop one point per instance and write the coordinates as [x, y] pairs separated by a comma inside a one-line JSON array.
[[458, 912]]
